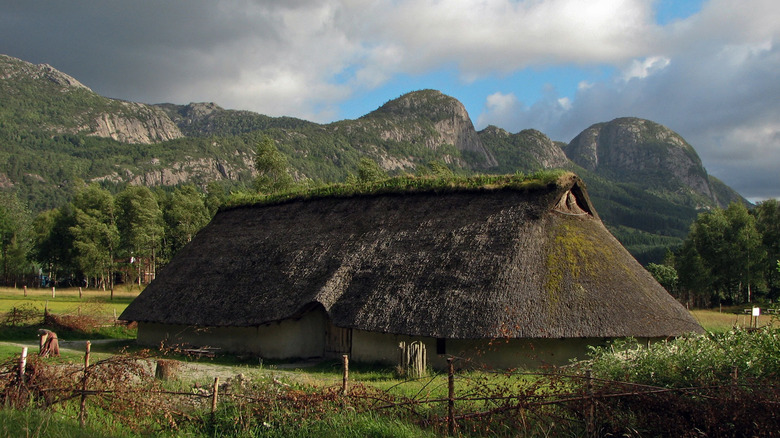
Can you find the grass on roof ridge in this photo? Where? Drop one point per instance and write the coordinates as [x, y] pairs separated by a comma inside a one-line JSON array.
[[402, 184]]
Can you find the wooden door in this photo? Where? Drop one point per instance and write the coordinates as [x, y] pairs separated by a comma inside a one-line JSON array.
[[338, 340]]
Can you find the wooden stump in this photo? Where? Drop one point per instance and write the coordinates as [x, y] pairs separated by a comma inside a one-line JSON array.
[[48, 345], [167, 369]]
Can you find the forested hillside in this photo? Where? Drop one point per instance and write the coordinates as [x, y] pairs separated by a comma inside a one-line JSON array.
[[646, 182]]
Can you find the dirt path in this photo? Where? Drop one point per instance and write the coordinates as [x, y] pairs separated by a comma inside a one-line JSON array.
[[201, 371]]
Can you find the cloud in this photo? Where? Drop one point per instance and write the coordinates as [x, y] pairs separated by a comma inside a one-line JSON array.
[[277, 58], [500, 102], [642, 68], [485, 36], [303, 58], [711, 76]]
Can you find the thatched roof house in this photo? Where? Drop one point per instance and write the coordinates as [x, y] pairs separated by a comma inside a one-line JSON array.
[[454, 269]]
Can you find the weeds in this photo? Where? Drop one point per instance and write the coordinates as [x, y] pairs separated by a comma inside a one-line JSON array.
[[718, 384], [713, 385]]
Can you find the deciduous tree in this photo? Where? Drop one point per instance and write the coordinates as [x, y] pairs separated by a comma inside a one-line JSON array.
[[95, 233], [369, 170], [272, 168], [767, 216], [185, 214], [140, 224], [14, 238], [53, 241], [723, 256]]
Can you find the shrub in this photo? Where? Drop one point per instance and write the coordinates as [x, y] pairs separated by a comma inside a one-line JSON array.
[[718, 384], [693, 360]]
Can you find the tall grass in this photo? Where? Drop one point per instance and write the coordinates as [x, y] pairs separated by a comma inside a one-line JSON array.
[[693, 360], [718, 384], [32, 422], [723, 321]]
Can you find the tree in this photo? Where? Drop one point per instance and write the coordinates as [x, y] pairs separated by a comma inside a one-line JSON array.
[[215, 197], [271, 166], [665, 275], [767, 216], [185, 214], [747, 257], [369, 170], [693, 276], [723, 255], [15, 236], [53, 241], [95, 233], [140, 224]]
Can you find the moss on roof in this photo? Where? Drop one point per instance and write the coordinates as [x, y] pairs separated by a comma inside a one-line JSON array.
[[406, 184]]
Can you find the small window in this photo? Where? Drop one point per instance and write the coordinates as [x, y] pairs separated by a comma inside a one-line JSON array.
[[441, 346]]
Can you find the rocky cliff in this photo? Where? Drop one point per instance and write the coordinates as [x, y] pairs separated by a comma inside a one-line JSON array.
[[136, 123], [648, 182], [13, 69]]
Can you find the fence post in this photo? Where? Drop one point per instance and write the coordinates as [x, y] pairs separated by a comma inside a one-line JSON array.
[[25, 290], [22, 365], [83, 407], [345, 380], [450, 397], [590, 405], [52, 292], [214, 395], [79, 292]]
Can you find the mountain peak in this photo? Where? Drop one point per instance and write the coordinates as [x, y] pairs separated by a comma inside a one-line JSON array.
[[430, 104], [11, 67], [82, 112], [640, 150], [430, 111]]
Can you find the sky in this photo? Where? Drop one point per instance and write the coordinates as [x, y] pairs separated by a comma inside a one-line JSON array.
[[707, 69]]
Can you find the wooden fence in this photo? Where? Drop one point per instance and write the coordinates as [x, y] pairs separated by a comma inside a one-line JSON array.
[[579, 396]]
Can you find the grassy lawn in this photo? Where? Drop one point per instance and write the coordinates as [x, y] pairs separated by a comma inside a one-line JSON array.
[[95, 302], [90, 317], [300, 407], [719, 322]]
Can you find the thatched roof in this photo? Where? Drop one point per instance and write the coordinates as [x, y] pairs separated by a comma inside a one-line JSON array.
[[467, 264]]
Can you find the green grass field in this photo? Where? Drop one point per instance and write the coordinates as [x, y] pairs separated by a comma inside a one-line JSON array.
[[94, 302], [718, 322], [284, 416]]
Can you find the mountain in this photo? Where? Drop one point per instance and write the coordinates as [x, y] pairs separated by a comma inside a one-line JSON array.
[[644, 152], [528, 150], [39, 97], [646, 181]]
